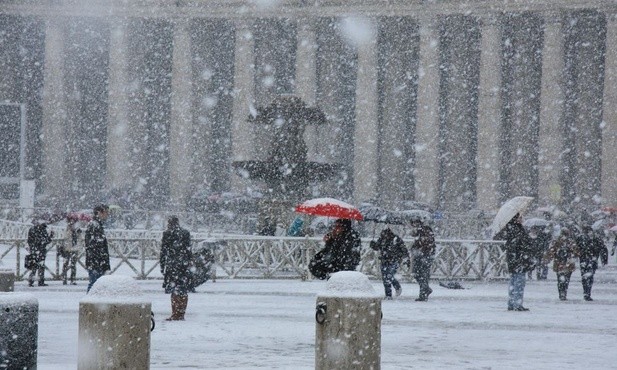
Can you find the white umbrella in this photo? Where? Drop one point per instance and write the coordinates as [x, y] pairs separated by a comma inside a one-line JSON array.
[[507, 211]]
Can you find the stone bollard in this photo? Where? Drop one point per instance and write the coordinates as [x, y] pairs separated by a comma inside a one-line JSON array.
[[348, 334], [19, 326], [7, 280], [114, 326]]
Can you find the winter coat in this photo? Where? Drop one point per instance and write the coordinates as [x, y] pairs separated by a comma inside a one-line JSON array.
[[563, 253], [176, 260], [425, 242], [591, 248], [519, 248], [72, 239], [38, 239], [391, 248], [97, 250], [343, 250]]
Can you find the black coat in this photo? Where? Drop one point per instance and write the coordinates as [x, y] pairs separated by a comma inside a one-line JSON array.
[[97, 250], [341, 253], [425, 241], [391, 248], [520, 254], [38, 239], [176, 260], [591, 248]]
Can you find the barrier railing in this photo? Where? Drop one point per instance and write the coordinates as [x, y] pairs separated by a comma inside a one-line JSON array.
[[239, 256]]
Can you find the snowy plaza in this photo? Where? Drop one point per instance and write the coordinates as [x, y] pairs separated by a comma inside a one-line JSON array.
[[269, 324]]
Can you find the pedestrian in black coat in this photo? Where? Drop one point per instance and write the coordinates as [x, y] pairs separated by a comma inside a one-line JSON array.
[[176, 262], [391, 251], [341, 251], [591, 248], [520, 260], [423, 251], [97, 249], [38, 239]]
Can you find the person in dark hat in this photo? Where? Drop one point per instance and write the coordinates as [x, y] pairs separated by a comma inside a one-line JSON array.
[[38, 239], [591, 249], [392, 251], [97, 249], [176, 262], [423, 252]]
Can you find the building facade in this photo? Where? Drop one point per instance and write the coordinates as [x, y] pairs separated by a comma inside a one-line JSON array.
[[459, 104]]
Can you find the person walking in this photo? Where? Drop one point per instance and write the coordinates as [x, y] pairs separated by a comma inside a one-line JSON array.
[[341, 251], [176, 262], [591, 248], [97, 249], [519, 258], [70, 250], [38, 239], [423, 251], [563, 253], [391, 251], [541, 237]]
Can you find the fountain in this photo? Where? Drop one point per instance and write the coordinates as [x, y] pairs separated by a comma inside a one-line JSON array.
[[286, 171]]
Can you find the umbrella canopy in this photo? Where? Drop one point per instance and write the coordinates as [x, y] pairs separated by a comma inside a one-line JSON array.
[[329, 207], [378, 214], [410, 215], [507, 211], [536, 222]]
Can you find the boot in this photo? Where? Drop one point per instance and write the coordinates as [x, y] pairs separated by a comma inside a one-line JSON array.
[[184, 300], [178, 307]]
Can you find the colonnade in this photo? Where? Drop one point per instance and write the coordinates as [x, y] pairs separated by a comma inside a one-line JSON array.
[[423, 126]]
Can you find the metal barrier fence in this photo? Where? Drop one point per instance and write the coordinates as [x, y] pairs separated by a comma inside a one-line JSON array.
[[264, 257]]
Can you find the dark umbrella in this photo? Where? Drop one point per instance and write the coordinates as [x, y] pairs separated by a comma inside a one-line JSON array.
[[380, 215]]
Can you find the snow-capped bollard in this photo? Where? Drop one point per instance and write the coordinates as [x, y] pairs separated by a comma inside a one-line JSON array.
[[348, 329], [7, 280], [114, 326], [19, 326]]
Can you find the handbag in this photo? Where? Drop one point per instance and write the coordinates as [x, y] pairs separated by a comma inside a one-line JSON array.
[[30, 262]]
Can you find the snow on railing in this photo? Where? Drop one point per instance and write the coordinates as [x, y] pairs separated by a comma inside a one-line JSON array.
[[247, 256]]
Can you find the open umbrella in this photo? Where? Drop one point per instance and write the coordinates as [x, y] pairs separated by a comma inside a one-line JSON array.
[[507, 211], [329, 207], [410, 215], [377, 214]]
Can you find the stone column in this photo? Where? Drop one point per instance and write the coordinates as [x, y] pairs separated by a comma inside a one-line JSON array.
[[489, 116], [609, 115], [119, 143], [306, 84], [427, 128], [53, 138], [552, 97], [242, 133], [181, 145], [366, 126]]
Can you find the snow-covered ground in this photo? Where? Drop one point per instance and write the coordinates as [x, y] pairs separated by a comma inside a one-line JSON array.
[[269, 324]]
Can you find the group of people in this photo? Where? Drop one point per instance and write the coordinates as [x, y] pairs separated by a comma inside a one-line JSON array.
[[175, 258], [95, 243], [571, 244], [341, 252]]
